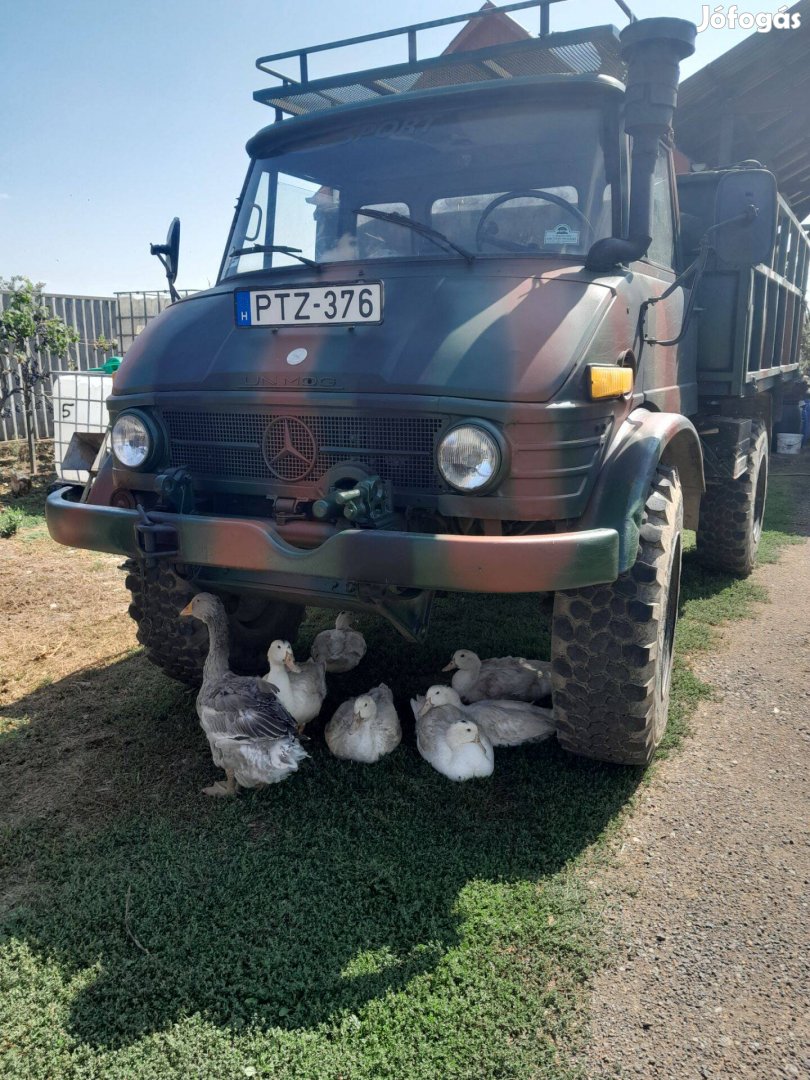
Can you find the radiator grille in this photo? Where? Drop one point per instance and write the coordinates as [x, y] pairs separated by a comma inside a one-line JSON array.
[[230, 446]]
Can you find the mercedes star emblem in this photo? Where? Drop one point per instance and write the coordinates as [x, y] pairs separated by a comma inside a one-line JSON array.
[[289, 448]]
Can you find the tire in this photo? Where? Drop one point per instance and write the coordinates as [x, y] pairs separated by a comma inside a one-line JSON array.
[[612, 645], [731, 513], [179, 646]]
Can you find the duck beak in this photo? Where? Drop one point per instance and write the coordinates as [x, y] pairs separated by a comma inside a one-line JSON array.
[[452, 666], [425, 707], [187, 609], [290, 664]]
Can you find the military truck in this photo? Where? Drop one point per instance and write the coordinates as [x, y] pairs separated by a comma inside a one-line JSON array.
[[470, 333]]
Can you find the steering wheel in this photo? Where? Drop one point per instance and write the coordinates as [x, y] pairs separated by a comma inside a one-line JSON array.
[[529, 193]]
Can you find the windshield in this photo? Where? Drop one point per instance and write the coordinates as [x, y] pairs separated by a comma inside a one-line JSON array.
[[501, 181]]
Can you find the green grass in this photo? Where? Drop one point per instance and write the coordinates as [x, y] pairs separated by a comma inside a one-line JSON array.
[[352, 923], [363, 922], [24, 516], [779, 514], [10, 521], [18, 520]]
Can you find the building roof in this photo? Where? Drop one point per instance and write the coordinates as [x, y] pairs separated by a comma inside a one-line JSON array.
[[754, 102], [494, 29]]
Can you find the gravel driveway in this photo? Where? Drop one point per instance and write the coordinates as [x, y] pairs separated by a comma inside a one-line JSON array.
[[709, 892]]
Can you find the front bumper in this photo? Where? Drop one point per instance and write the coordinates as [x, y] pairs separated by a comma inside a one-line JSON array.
[[498, 564]]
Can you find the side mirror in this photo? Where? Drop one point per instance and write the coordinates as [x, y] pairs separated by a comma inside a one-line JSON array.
[[169, 254], [746, 201]]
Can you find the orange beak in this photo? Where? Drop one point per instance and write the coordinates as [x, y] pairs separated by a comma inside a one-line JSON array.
[[450, 667], [290, 664], [187, 609]]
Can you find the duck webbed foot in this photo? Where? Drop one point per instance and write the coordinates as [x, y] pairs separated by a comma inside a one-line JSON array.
[[223, 788]]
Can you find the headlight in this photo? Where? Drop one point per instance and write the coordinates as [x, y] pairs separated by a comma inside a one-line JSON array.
[[469, 457], [132, 440]]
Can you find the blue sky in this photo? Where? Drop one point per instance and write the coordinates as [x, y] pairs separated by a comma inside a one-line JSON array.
[[117, 115]]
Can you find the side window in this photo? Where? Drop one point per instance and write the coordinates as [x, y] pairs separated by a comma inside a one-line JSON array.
[[663, 227], [251, 227]]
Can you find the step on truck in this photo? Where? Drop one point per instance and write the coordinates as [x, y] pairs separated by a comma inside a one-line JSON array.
[[470, 333]]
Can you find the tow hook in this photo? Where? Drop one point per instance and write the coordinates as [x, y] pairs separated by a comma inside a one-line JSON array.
[[155, 539]]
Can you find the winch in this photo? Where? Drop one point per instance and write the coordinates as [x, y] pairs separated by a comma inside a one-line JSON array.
[[368, 504]]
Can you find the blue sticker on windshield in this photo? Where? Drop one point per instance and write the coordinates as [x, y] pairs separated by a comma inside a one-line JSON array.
[[242, 309]]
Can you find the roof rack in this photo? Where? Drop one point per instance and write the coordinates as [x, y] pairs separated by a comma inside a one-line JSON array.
[[575, 52]]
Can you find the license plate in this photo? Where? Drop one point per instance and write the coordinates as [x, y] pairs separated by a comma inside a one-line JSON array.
[[322, 305]]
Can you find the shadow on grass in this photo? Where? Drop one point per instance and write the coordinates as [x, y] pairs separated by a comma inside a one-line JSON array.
[[284, 907], [288, 907]]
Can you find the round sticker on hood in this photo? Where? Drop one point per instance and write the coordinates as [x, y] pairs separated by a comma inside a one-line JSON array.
[[297, 356]]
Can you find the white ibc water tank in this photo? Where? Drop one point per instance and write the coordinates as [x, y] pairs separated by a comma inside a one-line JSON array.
[[79, 409]]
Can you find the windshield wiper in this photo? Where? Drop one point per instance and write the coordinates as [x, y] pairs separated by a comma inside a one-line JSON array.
[[261, 249], [418, 227]]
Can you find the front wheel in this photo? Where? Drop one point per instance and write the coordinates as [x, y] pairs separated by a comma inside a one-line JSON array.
[[612, 645], [180, 646]]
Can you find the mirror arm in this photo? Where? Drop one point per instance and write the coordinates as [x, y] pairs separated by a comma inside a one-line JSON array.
[[168, 254], [696, 268], [161, 250]]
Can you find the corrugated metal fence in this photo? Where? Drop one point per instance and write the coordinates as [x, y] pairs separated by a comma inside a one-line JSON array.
[[92, 317], [135, 309], [118, 318]]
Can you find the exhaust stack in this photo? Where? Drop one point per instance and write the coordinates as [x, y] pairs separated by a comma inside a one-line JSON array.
[[653, 50]]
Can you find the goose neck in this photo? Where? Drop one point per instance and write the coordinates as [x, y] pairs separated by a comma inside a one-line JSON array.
[[216, 663], [467, 677], [280, 676]]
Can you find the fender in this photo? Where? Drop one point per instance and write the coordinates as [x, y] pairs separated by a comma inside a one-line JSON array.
[[645, 440]]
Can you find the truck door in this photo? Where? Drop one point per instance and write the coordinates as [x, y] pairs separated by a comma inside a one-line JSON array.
[[668, 372]]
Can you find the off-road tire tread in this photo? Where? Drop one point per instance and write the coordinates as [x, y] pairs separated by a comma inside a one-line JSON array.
[[179, 646], [725, 534], [605, 641]]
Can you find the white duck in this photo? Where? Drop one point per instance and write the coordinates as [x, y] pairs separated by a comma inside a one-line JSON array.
[[251, 734], [498, 677], [365, 728], [450, 743], [504, 722], [340, 649], [301, 689]]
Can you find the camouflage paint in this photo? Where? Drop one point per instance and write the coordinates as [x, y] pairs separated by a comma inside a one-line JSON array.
[[505, 340], [382, 557]]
